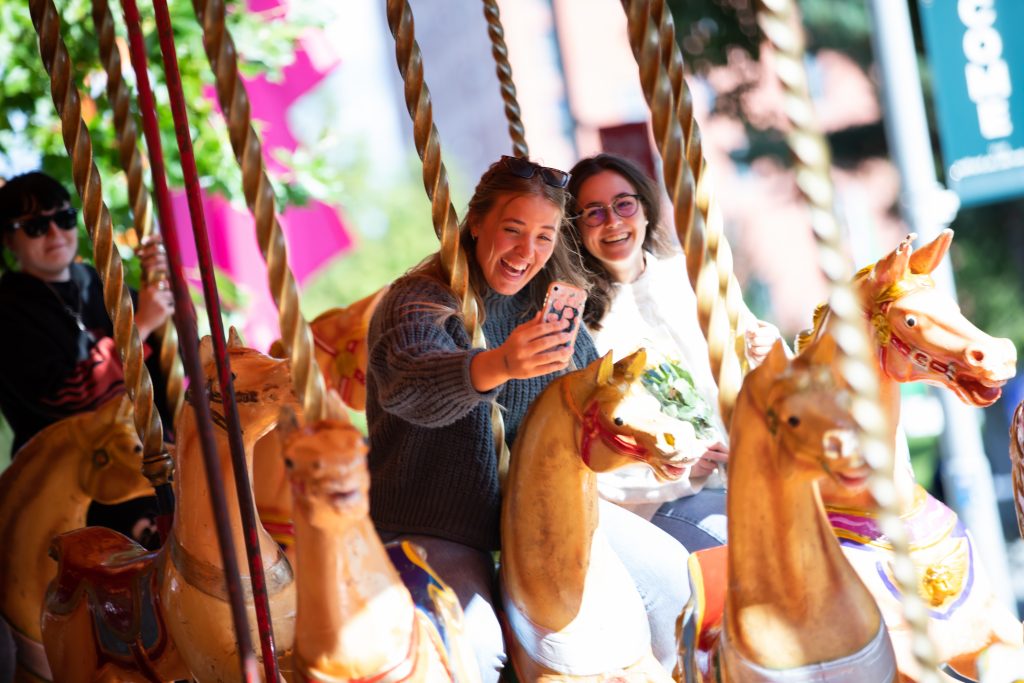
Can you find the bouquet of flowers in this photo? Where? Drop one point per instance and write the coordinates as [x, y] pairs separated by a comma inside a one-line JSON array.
[[673, 386]]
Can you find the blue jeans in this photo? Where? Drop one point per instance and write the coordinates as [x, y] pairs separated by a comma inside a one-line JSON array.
[[697, 521]]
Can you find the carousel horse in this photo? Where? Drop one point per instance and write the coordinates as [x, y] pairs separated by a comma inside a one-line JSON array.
[[117, 612], [92, 456], [572, 609], [921, 336], [356, 619], [794, 609], [339, 344]]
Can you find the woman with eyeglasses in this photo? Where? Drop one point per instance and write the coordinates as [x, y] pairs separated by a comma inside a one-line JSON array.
[[57, 353], [433, 464], [640, 295]]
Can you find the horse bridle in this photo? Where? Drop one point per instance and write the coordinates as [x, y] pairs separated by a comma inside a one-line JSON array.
[[593, 426], [887, 338]]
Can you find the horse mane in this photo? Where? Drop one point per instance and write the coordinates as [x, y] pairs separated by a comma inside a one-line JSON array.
[[906, 284]]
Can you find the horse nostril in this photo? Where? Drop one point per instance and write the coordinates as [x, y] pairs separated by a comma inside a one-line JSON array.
[[670, 440], [976, 355]]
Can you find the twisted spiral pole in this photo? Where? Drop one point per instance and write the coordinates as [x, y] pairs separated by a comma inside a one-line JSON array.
[[718, 255], [296, 335], [435, 181], [142, 206], [504, 70], [156, 462], [780, 23], [713, 315]]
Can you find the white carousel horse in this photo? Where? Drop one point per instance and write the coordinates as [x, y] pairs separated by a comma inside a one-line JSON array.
[[572, 608], [116, 612], [92, 456], [921, 336], [794, 609], [357, 619]]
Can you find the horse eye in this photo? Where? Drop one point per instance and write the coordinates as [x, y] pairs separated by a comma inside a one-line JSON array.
[[793, 421], [100, 458], [289, 464], [618, 422], [911, 321]]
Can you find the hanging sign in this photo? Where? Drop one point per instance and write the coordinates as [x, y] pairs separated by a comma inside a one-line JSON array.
[[977, 63]]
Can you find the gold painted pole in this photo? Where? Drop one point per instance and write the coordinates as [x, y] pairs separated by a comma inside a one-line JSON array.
[[780, 22], [504, 70], [156, 462], [142, 207], [296, 336]]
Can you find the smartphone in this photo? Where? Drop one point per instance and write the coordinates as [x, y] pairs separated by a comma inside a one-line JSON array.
[[565, 302]]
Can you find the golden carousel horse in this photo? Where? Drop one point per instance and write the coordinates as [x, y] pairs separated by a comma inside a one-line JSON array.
[[572, 609], [339, 344], [116, 612], [795, 610], [92, 456], [357, 620], [921, 336]]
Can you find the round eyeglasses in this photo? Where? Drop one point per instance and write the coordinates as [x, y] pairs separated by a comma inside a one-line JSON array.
[[39, 225], [624, 206]]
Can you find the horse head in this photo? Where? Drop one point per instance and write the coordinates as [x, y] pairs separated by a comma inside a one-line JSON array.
[[262, 385], [326, 465], [921, 332], [806, 408], [110, 466], [622, 422]]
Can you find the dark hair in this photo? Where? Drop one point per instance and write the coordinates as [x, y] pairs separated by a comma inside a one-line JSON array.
[[601, 282], [500, 182], [27, 194]]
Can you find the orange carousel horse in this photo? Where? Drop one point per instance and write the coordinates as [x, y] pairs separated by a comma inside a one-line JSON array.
[[46, 491], [117, 612], [795, 610], [921, 336], [573, 611], [339, 339], [357, 619]]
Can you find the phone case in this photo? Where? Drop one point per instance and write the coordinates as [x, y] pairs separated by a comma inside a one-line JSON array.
[[565, 302]]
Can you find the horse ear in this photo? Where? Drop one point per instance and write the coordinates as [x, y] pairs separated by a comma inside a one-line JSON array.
[[605, 369], [635, 363], [777, 359], [124, 409], [335, 407], [925, 259], [892, 268], [234, 339], [205, 351], [287, 423], [824, 352]]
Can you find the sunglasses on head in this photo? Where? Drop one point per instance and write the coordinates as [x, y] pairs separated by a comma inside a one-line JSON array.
[[524, 168], [39, 225]]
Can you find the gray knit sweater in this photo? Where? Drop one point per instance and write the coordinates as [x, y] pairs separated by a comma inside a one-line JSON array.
[[432, 461]]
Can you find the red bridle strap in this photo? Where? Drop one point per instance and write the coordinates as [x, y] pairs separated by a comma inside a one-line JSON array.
[[916, 356], [592, 425]]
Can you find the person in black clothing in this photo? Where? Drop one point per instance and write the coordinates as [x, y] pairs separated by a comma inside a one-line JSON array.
[[57, 352]]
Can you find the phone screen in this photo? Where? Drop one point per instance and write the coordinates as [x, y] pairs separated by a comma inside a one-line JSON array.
[[564, 302]]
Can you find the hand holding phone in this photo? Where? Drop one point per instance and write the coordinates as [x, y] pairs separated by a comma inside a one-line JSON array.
[[564, 302]]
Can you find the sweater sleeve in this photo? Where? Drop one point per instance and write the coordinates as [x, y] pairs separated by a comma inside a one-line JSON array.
[[420, 357]]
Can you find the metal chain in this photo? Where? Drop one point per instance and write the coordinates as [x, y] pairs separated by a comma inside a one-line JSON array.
[[780, 23], [504, 70], [296, 335], [713, 314], [139, 198], [156, 462]]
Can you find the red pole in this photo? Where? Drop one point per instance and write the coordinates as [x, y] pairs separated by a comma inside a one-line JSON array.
[[214, 475]]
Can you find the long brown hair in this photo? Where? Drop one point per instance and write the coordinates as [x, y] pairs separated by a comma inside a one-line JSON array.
[[499, 183], [601, 282]]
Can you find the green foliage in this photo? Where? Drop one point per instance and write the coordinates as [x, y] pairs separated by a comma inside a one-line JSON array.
[[673, 386]]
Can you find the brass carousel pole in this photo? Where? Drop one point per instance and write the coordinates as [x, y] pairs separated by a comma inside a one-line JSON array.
[[435, 181], [780, 22], [142, 209], [504, 70], [156, 462]]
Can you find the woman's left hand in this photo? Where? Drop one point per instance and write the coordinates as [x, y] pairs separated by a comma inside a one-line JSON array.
[[153, 256], [759, 340]]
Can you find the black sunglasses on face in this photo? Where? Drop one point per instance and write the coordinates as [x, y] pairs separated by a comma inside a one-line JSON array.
[[524, 168], [39, 225]]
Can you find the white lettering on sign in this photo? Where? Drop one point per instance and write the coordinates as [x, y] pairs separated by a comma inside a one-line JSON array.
[[988, 77]]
